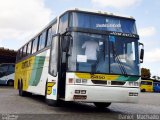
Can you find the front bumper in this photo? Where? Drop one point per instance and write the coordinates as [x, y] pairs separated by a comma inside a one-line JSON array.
[[102, 94]]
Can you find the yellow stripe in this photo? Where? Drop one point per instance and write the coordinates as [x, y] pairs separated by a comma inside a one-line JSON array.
[[23, 72], [96, 76]]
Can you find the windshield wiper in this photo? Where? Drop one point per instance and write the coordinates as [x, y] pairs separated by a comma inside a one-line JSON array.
[[94, 65], [98, 56], [121, 66]]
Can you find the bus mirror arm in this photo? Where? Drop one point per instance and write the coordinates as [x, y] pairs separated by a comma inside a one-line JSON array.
[[141, 53], [66, 41]]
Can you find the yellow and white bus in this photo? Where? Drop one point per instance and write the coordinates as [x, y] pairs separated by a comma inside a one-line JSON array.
[[146, 86], [82, 56]]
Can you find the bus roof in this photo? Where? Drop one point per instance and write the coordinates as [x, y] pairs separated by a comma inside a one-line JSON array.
[[98, 13], [82, 11]]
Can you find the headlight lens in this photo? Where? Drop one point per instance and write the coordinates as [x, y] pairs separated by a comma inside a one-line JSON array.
[[134, 84], [84, 80], [81, 81], [78, 80]]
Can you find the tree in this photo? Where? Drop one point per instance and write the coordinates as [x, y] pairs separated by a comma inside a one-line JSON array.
[[145, 73]]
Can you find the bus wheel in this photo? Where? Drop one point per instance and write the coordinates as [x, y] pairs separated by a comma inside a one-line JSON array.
[[101, 105], [10, 83], [143, 90], [20, 89]]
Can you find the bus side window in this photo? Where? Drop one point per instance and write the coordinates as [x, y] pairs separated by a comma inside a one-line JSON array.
[[29, 48], [20, 53], [3, 70], [63, 23], [34, 45], [53, 67], [48, 36], [42, 41], [24, 51], [54, 28], [11, 69]]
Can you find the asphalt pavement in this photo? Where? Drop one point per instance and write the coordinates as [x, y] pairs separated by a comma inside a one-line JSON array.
[[12, 106]]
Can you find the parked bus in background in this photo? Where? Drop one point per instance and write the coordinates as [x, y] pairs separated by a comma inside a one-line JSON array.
[[7, 74], [156, 86], [82, 56], [146, 86]]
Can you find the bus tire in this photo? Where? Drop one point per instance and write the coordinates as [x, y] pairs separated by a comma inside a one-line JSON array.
[[10, 82], [20, 89], [143, 90], [102, 105]]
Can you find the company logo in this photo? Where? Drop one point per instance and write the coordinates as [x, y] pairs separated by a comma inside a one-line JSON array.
[[109, 24]]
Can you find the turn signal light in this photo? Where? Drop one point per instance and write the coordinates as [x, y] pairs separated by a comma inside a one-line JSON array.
[[71, 80]]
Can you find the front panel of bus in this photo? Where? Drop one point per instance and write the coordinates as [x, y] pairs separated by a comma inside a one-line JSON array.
[[102, 64]]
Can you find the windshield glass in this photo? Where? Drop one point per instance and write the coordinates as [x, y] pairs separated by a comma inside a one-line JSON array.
[[123, 55], [102, 22], [99, 53], [89, 53]]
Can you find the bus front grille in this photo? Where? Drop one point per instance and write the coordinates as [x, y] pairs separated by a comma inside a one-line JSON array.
[[105, 82], [117, 83], [99, 82]]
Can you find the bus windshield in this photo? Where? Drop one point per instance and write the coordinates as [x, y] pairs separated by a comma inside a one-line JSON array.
[[102, 22], [103, 54]]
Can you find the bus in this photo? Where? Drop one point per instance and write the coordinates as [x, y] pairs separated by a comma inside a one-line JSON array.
[[156, 86], [82, 56], [7, 74], [146, 86]]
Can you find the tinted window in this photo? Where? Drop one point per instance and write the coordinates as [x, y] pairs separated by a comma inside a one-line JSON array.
[[42, 41], [4, 67], [34, 47], [11, 69], [54, 57], [49, 34], [63, 23], [24, 50], [54, 28], [3, 70], [29, 48], [146, 83], [101, 22], [20, 54], [156, 84]]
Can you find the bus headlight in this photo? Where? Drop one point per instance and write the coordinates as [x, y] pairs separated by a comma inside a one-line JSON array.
[[70, 80], [78, 80], [134, 84], [84, 80], [81, 81]]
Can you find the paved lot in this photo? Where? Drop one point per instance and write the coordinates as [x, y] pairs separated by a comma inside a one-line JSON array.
[[35, 106]]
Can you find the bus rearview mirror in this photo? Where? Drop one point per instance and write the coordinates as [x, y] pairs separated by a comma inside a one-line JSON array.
[[141, 55], [65, 43]]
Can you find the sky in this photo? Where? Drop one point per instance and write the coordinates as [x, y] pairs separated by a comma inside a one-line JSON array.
[[20, 20]]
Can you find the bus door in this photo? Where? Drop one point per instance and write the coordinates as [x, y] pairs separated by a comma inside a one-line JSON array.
[[53, 76]]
